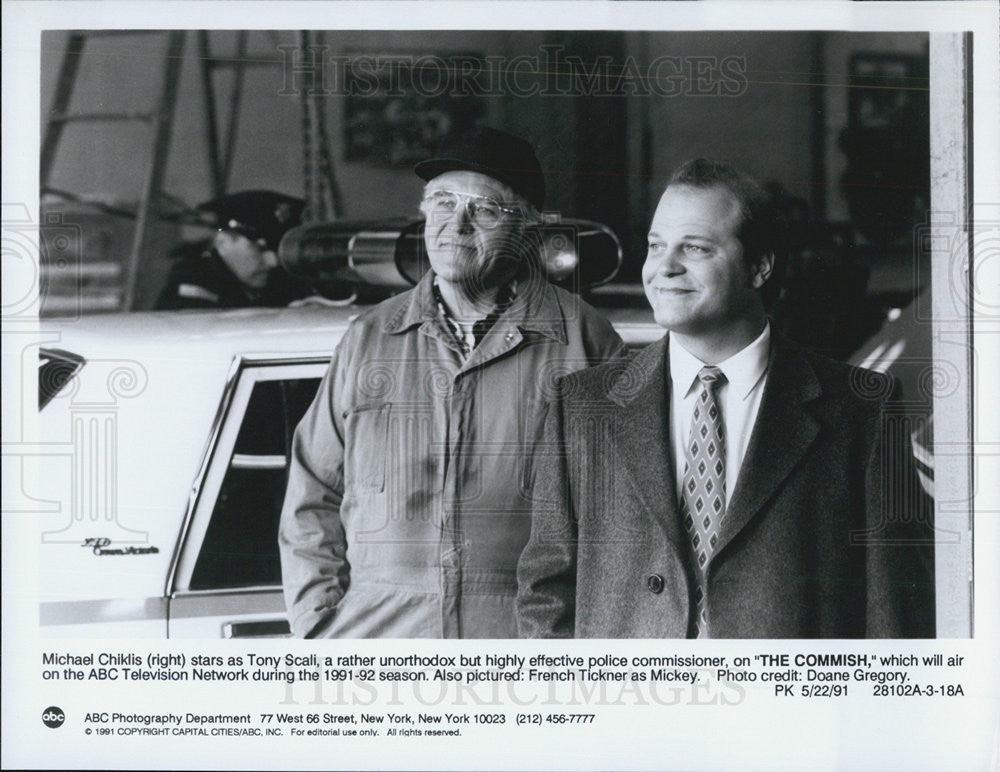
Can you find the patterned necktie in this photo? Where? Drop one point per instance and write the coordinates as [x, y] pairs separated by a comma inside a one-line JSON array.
[[703, 500]]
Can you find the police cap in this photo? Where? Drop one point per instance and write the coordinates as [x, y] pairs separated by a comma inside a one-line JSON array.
[[260, 215]]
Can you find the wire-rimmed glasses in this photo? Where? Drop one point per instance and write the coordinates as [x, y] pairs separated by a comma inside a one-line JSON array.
[[483, 211]]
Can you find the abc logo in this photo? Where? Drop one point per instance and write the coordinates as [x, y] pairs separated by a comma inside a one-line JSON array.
[[53, 717]]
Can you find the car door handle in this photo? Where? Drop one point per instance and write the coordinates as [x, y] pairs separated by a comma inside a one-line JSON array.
[[268, 628]]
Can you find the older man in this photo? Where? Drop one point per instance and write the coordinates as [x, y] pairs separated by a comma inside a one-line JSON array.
[[723, 484], [407, 507]]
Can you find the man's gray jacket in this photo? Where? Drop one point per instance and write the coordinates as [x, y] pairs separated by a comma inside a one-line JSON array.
[[828, 533], [407, 503]]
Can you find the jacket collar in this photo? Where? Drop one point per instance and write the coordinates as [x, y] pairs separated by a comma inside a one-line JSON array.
[[536, 308], [781, 435], [641, 439]]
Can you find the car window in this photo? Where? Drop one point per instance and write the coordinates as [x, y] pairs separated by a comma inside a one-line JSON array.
[[56, 369], [240, 546]]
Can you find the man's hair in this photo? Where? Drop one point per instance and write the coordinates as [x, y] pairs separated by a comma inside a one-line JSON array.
[[761, 229]]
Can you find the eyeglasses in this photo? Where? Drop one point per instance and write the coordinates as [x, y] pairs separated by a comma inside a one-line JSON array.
[[483, 211]]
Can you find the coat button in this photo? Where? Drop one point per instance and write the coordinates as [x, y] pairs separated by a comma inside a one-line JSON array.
[[655, 583]]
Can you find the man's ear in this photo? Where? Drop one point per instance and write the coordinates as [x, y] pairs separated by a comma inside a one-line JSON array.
[[761, 272]]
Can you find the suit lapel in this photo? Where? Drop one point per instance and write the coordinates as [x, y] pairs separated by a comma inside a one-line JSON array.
[[641, 435], [781, 436]]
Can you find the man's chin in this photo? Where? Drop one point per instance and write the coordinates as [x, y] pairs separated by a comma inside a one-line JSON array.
[[447, 273], [680, 324], [257, 283], [669, 318], [455, 271]]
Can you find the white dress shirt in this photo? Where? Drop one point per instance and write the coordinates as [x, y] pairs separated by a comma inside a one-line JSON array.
[[739, 400]]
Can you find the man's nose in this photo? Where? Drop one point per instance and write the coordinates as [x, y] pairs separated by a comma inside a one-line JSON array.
[[270, 258], [464, 214], [670, 262]]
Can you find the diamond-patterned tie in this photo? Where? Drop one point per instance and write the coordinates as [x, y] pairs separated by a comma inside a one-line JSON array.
[[703, 499]]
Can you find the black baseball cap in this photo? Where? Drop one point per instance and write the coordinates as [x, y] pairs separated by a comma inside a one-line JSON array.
[[495, 153], [256, 214]]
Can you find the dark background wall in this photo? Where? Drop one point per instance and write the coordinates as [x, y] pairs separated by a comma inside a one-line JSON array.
[[775, 103]]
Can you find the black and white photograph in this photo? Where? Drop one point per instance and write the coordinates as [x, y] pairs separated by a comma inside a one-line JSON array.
[[434, 363], [323, 183]]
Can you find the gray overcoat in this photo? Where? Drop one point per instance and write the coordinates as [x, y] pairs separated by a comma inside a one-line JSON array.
[[828, 533]]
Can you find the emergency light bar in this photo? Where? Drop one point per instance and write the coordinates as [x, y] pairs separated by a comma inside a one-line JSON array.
[[576, 254]]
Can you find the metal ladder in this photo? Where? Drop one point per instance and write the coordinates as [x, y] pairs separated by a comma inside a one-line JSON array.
[[159, 119]]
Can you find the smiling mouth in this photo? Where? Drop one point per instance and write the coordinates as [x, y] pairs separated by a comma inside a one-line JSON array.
[[453, 245], [671, 291]]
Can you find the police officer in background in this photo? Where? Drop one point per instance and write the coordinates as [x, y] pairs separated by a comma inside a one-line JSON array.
[[238, 268]]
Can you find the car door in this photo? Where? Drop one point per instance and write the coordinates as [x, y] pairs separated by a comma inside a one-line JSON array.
[[226, 581]]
